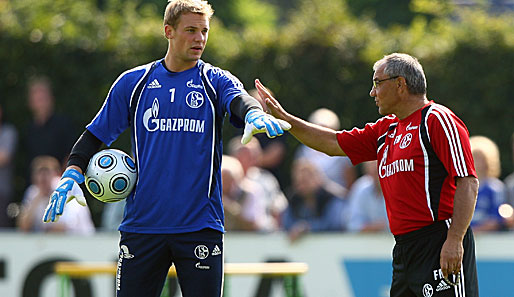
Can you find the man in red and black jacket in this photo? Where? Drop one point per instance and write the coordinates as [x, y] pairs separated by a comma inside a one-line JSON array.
[[426, 173]]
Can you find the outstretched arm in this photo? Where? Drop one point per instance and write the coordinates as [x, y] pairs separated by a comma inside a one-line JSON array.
[[317, 137]]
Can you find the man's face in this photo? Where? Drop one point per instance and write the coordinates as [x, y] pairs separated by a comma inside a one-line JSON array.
[[40, 98], [385, 92], [306, 178], [188, 40]]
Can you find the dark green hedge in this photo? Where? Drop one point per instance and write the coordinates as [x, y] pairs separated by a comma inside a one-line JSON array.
[[317, 54]]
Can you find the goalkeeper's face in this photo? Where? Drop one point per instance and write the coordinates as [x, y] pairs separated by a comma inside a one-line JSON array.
[[188, 39]]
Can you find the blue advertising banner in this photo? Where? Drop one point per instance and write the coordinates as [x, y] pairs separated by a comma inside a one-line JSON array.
[[372, 278]]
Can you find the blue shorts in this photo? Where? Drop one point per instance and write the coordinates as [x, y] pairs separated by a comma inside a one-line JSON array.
[[144, 261]]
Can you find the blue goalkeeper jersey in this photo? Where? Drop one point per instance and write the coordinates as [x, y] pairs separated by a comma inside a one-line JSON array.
[[176, 120]]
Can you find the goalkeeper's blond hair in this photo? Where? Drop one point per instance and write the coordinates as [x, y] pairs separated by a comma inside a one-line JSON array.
[[176, 8]]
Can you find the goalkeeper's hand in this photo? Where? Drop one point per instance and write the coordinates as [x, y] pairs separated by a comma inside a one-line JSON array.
[[257, 121], [67, 189]]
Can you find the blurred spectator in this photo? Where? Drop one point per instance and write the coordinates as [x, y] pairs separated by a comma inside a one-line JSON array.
[[249, 156], [367, 211], [312, 206], [245, 210], [509, 180], [46, 171], [273, 149], [48, 133], [8, 140], [491, 191], [336, 168]]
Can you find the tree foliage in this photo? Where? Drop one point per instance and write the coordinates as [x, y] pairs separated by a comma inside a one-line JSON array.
[[319, 53]]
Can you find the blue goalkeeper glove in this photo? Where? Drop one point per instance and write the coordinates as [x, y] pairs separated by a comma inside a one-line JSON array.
[[257, 121], [67, 189]]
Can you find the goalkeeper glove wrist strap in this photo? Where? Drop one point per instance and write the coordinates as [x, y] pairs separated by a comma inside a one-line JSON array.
[[73, 174], [251, 112]]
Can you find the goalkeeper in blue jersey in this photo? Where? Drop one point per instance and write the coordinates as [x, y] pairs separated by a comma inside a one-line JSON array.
[[175, 108]]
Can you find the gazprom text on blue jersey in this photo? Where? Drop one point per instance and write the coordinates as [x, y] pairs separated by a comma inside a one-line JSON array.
[[175, 125]]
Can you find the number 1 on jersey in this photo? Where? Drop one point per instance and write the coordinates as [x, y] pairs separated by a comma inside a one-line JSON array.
[[172, 96]]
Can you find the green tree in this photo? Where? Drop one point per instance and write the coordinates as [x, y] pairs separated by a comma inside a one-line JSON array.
[[311, 53]]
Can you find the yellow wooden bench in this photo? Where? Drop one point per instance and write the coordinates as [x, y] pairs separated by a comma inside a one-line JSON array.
[[292, 270]]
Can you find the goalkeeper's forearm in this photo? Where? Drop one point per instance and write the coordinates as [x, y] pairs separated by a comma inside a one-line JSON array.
[[76, 168], [85, 147], [242, 104]]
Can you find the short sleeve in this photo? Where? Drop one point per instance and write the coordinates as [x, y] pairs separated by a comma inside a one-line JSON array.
[[113, 117], [361, 145], [449, 138], [228, 88]]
